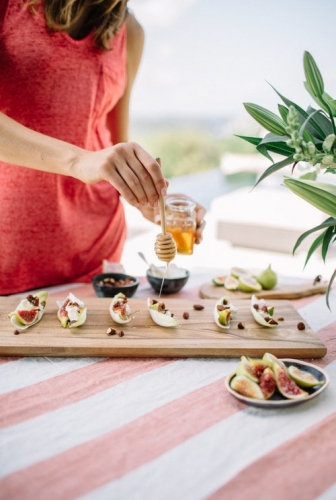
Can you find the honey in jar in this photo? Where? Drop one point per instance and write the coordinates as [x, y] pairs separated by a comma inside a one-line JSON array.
[[181, 223]]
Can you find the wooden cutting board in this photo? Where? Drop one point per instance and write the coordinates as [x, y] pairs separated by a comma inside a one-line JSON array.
[[283, 290], [197, 336]]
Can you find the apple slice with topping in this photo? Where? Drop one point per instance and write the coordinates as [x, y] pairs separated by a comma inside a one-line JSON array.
[[159, 314], [120, 309], [71, 312], [223, 312], [29, 311], [262, 313]]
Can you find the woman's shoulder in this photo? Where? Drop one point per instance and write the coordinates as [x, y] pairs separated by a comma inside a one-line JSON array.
[[135, 31]]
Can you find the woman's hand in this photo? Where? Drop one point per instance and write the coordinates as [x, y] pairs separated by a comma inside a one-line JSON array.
[[129, 168], [152, 214]]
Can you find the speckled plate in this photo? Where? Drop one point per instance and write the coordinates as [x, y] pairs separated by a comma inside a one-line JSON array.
[[277, 400]]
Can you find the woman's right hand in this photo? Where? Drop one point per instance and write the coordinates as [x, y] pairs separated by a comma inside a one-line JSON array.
[[128, 167]]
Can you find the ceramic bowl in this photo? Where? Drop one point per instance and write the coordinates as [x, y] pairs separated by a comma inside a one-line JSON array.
[[109, 284], [170, 285]]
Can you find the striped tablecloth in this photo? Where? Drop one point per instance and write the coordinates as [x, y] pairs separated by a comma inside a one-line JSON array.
[[152, 429]]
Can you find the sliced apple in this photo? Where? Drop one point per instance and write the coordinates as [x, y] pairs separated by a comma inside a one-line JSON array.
[[159, 314]]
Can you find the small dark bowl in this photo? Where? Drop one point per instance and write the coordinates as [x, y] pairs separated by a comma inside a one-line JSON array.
[[170, 285], [110, 290]]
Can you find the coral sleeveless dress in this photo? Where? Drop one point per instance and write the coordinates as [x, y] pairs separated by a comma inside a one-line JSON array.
[[56, 229]]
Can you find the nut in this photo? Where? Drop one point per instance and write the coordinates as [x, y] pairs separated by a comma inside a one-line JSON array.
[[186, 315], [241, 325], [16, 332], [198, 307], [111, 331], [301, 326], [121, 333], [281, 318]]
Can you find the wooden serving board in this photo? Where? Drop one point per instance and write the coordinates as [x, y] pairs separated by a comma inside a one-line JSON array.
[[288, 291], [197, 336]]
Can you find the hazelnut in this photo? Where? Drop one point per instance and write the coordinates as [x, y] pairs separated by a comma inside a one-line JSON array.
[[186, 315], [111, 331], [301, 326], [241, 325], [121, 333]]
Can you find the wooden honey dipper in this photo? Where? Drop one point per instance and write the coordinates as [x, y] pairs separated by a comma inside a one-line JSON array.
[[165, 246]]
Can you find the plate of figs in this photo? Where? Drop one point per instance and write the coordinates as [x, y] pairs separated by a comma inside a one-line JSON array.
[[270, 382]]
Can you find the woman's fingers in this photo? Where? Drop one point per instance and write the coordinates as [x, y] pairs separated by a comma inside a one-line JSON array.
[[136, 175]]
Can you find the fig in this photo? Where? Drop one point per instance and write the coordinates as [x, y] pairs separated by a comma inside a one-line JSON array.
[[29, 311], [268, 278], [252, 368], [249, 284], [246, 387], [262, 313], [303, 378], [231, 283], [267, 383], [120, 310], [219, 280], [223, 312], [286, 386], [160, 315], [71, 312], [237, 272]]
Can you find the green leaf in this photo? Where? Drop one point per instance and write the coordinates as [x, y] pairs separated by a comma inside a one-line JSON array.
[[329, 288], [322, 122], [276, 144], [316, 243], [252, 140], [267, 119], [274, 168], [328, 238], [327, 223], [283, 110], [309, 176], [313, 75], [313, 127], [316, 196]]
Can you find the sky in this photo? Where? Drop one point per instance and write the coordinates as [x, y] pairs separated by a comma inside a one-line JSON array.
[[205, 58]]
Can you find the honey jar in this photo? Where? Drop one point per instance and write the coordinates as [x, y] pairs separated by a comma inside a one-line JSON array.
[[181, 223]]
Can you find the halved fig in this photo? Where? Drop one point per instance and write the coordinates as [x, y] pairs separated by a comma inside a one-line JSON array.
[[252, 368], [286, 386], [159, 314], [223, 312], [29, 311], [71, 312], [267, 383], [120, 309], [303, 378], [246, 387], [262, 313]]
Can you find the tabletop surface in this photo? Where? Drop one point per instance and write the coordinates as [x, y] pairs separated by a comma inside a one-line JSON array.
[[161, 428]]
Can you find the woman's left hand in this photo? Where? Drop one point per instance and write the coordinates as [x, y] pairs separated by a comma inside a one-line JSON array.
[[153, 215]]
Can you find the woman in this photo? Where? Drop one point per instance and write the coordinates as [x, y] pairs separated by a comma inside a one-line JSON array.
[[66, 72]]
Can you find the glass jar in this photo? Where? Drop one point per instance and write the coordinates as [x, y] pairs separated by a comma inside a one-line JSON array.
[[181, 223]]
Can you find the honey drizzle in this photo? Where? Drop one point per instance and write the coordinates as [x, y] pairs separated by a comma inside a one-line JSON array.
[[163, 278]]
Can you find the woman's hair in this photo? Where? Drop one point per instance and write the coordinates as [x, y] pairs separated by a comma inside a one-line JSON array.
[[103, 17]]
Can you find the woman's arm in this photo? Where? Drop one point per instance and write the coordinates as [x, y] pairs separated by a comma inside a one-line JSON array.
[[118, 118], [127, 166]]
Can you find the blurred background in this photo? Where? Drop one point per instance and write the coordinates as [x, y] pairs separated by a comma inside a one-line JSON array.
[[202, 61]]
